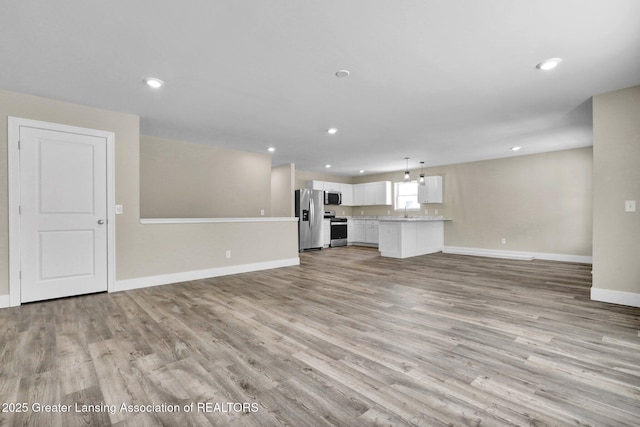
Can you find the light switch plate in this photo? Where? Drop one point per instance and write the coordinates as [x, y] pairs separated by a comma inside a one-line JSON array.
[[629, 205], [119, 210]]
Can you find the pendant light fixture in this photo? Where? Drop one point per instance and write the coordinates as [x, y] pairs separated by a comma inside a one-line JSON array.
[[421, 181], [407, 176]]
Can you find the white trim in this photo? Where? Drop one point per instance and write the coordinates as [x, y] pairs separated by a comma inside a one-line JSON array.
[[218, 220], [525, 256], [5, 301], [14, 124], [13, 169], [165, 279], [580, 259], [491, 253], [615, 297]]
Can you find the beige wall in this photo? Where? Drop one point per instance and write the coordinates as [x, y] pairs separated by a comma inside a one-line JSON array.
[[282, 188], [144, 250], [303, 176], [539, 203], [616, 176], [185, 180]]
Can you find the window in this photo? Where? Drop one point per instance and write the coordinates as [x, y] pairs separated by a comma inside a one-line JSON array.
[[406, 196]]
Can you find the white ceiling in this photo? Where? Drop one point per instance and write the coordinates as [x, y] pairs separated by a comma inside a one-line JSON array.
[[440, 81]]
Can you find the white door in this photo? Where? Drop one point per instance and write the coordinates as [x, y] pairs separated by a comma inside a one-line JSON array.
[[63, 214]]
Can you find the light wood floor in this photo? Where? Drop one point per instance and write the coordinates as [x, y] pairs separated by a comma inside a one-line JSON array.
[[346, 339]]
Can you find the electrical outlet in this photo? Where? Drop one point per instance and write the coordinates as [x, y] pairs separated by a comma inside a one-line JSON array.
[[436, 211], [629, 205], [228, 254], [504, 241], [262, 212]]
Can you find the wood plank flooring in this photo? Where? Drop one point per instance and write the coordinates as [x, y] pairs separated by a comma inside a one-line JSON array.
[[345, 339]]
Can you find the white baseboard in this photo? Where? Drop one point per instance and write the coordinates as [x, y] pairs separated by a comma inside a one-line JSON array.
[[525, 256], [615, 297], [164, 279], [4, 301]]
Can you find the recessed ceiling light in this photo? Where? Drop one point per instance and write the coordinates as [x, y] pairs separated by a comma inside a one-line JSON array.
[[271, 149], [515, 148], [153, 82], [327, 166], [362, 171], [549, 64], [332, 131], [342, 73]]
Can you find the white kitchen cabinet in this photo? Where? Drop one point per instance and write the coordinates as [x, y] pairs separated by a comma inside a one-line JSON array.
[[332, 186], [431, 192], [372, 232], [383, 193], [407, 238], [359, 230], [326, 232], [363, 232], [347, 194], [350, 232], [358, 194], [372, 193]]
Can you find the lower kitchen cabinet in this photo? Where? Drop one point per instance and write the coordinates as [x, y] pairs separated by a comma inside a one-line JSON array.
[[350, 232], [371, 232], [326, 232], [363, 232], [359, 230], [403, 239]]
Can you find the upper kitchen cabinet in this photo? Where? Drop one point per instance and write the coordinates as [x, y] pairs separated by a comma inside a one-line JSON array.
[[347, 194], [332, 186], [372, 193], [431, 192], [367, 194]]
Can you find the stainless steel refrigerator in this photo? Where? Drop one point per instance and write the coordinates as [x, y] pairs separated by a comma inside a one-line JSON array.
[[310, 213]]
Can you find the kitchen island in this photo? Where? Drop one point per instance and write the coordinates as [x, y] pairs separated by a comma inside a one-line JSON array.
[[407, 237]]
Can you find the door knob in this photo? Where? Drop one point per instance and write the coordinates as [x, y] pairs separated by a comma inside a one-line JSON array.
[[101, 221]]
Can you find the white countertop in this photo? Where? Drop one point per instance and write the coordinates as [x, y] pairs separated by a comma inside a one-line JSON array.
[[413, 219], [416, 218]]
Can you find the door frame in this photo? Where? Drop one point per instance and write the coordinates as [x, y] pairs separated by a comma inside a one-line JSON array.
[[14, 125]]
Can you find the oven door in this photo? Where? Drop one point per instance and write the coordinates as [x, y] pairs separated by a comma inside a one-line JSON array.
[[338, 234]]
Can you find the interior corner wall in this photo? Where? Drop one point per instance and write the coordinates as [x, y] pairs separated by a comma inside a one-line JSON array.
[[282, 189], [616, 177]]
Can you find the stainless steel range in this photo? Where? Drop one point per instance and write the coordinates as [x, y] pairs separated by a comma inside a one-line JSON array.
[[338, 229]]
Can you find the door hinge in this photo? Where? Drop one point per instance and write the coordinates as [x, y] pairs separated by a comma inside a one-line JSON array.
[[18, 144], [20, 275], [19, 210]]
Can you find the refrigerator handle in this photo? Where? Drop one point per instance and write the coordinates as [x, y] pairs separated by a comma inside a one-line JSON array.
[[313, 213]]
